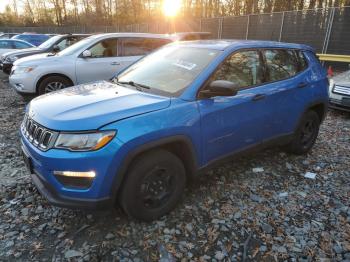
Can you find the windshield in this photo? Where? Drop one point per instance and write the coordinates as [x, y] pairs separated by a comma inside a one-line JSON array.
[[170, 70], [77, 46], [48, 43]]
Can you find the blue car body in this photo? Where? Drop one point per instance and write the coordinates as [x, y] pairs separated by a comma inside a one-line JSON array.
[[210, 129], [34, 39]]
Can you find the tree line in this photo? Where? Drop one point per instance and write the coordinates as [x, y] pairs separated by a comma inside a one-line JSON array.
[[112, 12]]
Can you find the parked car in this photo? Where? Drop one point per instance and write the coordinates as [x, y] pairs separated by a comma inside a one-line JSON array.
[[7, 45], [52, 45], [339, 91], [98, 57], [7, 35], [35, 39], [137, 139]]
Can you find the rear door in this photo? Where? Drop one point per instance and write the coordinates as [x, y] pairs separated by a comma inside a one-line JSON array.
[[132, 49], [287, 91], [102, 65]]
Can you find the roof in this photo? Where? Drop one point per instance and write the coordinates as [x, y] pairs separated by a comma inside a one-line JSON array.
[[234, 44], [144, 35]]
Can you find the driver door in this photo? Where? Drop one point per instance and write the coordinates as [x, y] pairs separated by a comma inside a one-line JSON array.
[[103, 63], [231, 124]]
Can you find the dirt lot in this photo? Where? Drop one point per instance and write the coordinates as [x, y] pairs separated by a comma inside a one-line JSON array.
[[252, 209]]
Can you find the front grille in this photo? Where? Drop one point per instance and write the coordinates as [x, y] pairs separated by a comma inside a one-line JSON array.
[[341, 90], [37, 135]]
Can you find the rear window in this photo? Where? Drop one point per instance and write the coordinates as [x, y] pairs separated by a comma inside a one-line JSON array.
[[140, 46], [281, 64]]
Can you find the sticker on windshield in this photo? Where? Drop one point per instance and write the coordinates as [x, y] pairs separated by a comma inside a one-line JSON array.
[[184, 64]]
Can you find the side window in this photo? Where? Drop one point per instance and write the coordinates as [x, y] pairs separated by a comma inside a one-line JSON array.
[[281, 64], [140, 46], [105, 48], [242, 68], [20, 45], [6, 45], [302, 61]]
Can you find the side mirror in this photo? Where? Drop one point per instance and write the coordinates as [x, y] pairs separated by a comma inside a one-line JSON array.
[[56, 49], [219, 88], [87, 54]]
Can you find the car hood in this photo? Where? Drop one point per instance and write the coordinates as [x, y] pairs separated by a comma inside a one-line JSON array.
[[91, 106], [342, 79], [35, 59], [24, 52]]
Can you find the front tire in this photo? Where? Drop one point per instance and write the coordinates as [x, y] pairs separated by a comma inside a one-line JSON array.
[[154, 185], [53, 83], [306, 134]]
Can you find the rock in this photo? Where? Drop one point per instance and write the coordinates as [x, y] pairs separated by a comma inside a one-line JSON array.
[[263, 249], [72, 253], [9, 244], [219, 255], [310, 175], [267, 228], [283, 194], [109, 236], [258, 169], [256, 198]]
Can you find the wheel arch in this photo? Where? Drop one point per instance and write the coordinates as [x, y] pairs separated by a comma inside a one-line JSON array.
[[49, 75], [179, 145]]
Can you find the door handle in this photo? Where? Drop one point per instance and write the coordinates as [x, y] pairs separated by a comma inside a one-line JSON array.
[[258, 97], [302, 85], [115, 63]]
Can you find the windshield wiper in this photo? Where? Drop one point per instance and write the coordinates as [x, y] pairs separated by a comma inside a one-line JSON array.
[[136, 85]]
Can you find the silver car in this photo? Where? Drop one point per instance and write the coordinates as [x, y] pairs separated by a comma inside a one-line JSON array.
[[99, 57], [339, 92]]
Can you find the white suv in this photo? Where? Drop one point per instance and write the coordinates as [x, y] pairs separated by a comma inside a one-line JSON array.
[[99, 57]]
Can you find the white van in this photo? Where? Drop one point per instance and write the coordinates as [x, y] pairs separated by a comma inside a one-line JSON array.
[[98, 57]]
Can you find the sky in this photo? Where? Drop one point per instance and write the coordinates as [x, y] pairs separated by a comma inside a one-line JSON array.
[[3, 4]]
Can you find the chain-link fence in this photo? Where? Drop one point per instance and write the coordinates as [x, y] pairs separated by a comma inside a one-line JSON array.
[[327, 30]]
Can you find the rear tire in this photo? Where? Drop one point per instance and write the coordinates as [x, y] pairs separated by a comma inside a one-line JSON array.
[[306, 134], [53, 83], [154, 185]]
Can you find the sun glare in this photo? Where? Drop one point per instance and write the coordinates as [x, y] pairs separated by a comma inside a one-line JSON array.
[[171, 7]]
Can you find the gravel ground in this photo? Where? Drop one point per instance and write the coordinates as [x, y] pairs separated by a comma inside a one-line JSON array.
[[258, 208]]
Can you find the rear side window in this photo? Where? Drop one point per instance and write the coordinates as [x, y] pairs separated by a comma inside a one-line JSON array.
[[281, 64], [302, 61], [242, 68], [140, 46]]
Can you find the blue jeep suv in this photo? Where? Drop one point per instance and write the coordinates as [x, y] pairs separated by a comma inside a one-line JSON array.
[[138, 138]]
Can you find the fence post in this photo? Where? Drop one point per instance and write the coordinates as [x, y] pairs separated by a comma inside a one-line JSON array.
[[247, 31], [282, 24], [220, 27], [328, 32]]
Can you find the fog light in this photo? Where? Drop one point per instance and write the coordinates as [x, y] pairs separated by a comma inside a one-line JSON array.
[[19, 86], [89, 174], [72, 179]]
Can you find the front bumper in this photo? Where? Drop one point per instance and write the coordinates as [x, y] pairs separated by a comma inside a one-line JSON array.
[[43, 164], [56, 199], [23, 83], [340, 102]]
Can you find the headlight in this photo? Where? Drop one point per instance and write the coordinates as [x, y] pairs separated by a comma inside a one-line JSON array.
[[84, 141], [22, 69], [11, 59]]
